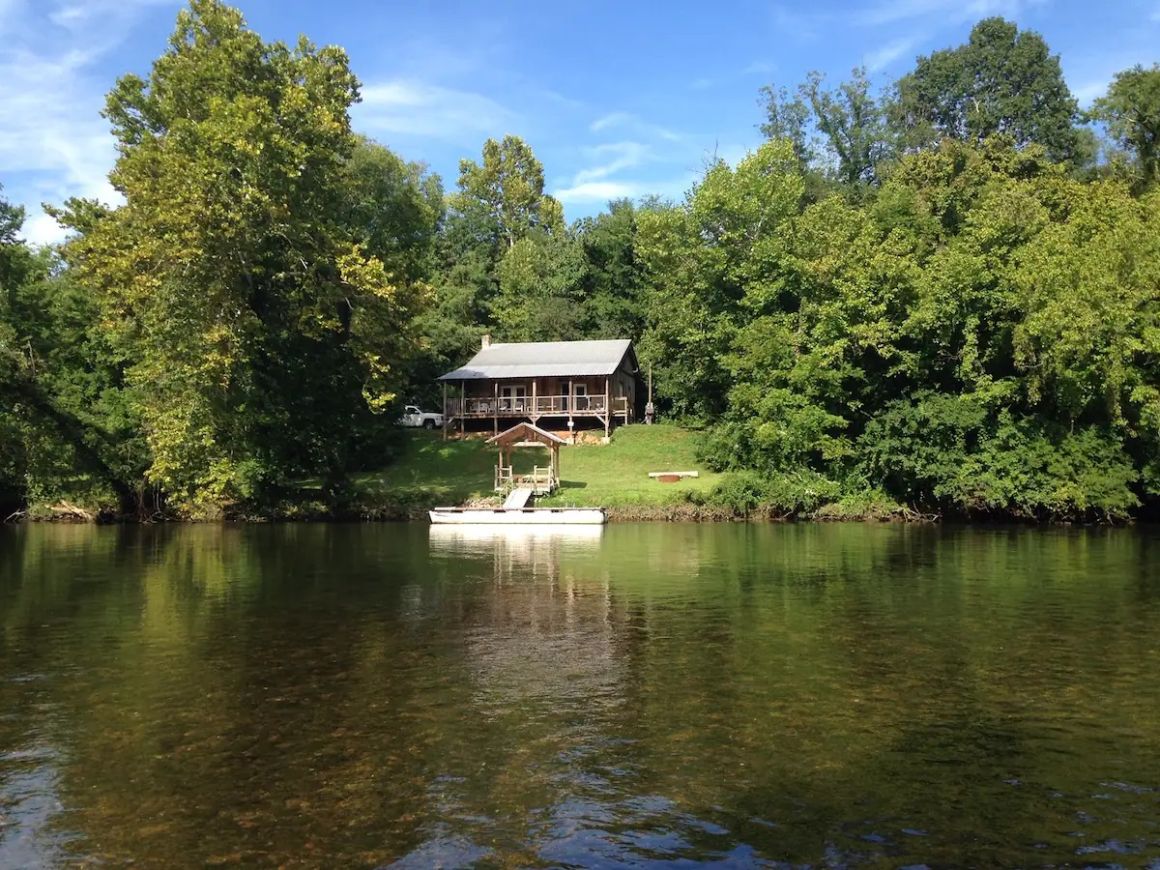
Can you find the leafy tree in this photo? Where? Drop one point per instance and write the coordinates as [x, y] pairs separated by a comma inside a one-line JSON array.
[[842, 132], [66, 431], [256, 326], [504, 194], [1002, 81], [1131, 110], [852, 121], [701, 259], [540, 289], [613, 280], [967, 454], [393, 209], [787, 116]]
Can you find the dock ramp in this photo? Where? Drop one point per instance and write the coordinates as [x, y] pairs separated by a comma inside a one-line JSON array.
[[518, 498]]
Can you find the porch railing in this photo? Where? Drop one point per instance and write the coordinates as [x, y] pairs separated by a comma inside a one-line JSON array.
[[532, 406]]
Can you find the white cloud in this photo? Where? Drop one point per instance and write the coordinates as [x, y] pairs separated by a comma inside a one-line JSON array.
[[632, 122], [413, 108], [610, 120], [882, 57], [801, 26], [53, 142], [597, 191], [1089, 91], [9, 12], [615, 157]]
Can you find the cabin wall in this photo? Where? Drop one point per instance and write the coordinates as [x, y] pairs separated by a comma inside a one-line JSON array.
[[556, 386]]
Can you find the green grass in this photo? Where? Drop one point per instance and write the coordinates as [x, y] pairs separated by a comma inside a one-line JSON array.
[[431, 471], [616, 474]]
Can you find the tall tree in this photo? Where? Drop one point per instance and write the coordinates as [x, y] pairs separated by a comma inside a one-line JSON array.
[[499, 206], [787, 116], [1131, 110], [256, 325], [701, 259], [852, 120], [614, 281], [66, 430], [841, 133], [1002, 80], [505, 192]]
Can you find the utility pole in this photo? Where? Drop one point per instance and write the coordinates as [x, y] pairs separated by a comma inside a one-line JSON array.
[[649, 409]]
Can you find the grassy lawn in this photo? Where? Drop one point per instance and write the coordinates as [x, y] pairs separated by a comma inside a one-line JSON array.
[[431, 470], [616, 474]]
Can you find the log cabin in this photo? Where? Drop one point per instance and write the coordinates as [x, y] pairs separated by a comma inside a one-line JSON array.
[[566, 383]]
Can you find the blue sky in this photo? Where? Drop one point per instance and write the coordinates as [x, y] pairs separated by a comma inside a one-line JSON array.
[[616, 98]]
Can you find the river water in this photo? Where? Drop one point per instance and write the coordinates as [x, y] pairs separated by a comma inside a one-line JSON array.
[[738, 695]]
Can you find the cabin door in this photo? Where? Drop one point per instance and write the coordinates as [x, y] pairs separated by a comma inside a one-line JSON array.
[[513, 398]]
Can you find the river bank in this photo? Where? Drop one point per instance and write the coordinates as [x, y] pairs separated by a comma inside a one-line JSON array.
[[429, 472]]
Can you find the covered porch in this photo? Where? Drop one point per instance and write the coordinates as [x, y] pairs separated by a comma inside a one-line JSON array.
[[535, 398]]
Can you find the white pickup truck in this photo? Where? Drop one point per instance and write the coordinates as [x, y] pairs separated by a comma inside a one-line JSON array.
[[412, 416]]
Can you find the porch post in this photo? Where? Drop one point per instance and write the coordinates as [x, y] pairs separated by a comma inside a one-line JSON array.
[[607, 408], [463, 407], [535, 416], [495, 406], [445, 410]]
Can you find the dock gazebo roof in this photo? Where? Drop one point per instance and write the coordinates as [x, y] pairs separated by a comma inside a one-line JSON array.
[[526, 435]]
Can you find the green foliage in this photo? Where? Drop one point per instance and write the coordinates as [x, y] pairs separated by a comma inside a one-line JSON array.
[[783, 494], [700, 258], [1002, 81], [613, 280], [539, 289], [966, 454], [67, 431], [1131, 110], [840, 136], [244, 280], [503, 196], [978, 337]]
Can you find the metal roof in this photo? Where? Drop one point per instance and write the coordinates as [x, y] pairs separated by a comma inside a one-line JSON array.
[[531, 359]]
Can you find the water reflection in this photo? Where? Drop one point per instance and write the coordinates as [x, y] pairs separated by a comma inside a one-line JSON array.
[[362, 695]]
